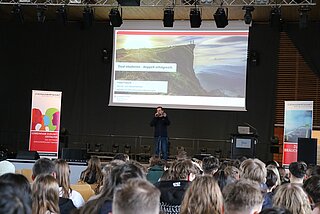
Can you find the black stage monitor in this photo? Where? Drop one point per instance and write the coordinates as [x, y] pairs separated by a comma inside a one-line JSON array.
[[74, 155]]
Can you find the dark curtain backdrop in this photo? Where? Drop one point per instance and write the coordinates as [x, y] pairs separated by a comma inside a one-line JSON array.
[[69, 59], [307, 41]]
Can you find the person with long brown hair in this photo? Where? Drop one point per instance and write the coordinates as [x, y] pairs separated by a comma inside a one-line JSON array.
[[63, 178], [202, 196], [92, 174], [45, 195]]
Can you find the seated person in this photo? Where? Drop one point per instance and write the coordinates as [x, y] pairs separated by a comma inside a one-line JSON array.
[[136, 196], [210, 165], [297, 172], [155, 169], [92, 174], [242, 197]]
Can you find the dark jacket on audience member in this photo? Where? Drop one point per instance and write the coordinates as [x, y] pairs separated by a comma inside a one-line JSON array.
[[172, 193], [66, 205]]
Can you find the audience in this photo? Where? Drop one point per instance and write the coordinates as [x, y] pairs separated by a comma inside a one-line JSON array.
[[297, 172], [45, 195], [253, 169], [92, 174], [210, 165], [12, 200], [276, 171], [6, 167], [233, 172], [292, 197], [181, 173], [121, 156], [242, 197], [63, 178], [271, 183], [156, 169], [202, 196], [223, 179], [21, 184], [119, 175], [312, 188], [136, 196], [45, 166], [283, 175]]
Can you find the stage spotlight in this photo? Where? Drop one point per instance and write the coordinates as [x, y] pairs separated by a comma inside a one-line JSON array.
[[88, 17], [195, 18], [275, 18], [17, 13], [115, 17], [41, 16], [221, 18], [168, 17], [248, 14], [62, 14], [303, 16]]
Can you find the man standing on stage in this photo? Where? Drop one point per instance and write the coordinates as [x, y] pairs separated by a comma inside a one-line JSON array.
[[160, 122]]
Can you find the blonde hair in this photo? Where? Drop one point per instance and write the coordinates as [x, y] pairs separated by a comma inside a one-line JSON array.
[[202, 196], [276, 171], [45, 195], [63, 176], [253, 169], [293, 198]]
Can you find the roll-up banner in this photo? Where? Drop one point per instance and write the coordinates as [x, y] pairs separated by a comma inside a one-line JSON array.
[[297, 124], [45, 123]]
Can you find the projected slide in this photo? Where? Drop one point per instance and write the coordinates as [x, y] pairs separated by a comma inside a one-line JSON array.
[[180, 69]]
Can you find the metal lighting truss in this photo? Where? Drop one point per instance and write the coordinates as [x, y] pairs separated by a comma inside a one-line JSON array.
[[164, 3]]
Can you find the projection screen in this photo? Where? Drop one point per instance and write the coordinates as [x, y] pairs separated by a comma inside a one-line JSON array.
[[179, 67]]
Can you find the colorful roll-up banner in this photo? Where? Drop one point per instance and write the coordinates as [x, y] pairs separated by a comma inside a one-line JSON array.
[[45, 123], [297, 124]]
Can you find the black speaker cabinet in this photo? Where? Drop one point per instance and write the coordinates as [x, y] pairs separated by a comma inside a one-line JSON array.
[[307, 150], [28, 155], [70, 154]]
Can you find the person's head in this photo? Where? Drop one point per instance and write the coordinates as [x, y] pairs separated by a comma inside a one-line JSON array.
[[210, 165], [315, 170], [233, 172], [12, 201], [276, 171], [292, 197], [19, 181], [94, 168], [63, 176], [45, 194], [118, 176], [121, 156], [275, 210], [160, 110], [243, 196], [183, 170], [202, 196], [156, 160], [312, 188], [136, 196], [94, 163], [223, 179], [6, 167], [43, 166], [271, 180], [253, 169], [297, 172]]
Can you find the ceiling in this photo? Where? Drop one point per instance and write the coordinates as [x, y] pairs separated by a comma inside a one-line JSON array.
[[155, 12]]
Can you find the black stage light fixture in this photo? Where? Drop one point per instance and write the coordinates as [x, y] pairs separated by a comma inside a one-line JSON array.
[[129, 2], [275, 18], [88, 17], [221, 18], [17, 13], [115, 17], [41, 16], [62, 15], [168, 17], [248, 14], [303, 16], [195, 18]]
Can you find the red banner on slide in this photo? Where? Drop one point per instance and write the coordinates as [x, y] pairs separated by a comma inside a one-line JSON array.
[[290, 153], [43, 141]]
